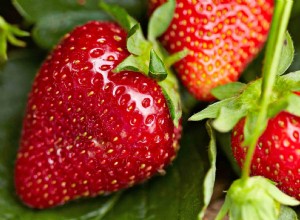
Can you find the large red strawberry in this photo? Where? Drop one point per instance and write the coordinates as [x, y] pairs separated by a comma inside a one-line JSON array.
[[277, 154], [223, 36], [87, 130]]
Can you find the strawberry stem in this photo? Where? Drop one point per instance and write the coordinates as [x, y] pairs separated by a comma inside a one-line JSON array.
[[272, 58]]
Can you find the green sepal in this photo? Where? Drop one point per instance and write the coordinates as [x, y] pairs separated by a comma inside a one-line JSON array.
[[228, 90], [8, 33], [287, 213], [136, 42], [119, 14], [132, 63], [293, 104], [276, 107], [228, 118], [289, 82], [287, 54], [212, 111], [277, 194], [254, 198], [239, 100], [157, 69], [170, 89], [175, 57], [139, 48], [161, 19]]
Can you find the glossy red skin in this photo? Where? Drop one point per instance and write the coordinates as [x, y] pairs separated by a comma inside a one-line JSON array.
[[222, 36], [277, 154], [88, 131]]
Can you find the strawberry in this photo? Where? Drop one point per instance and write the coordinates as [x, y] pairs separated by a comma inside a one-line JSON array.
[[277, 154], [222, 37], [87, 130]]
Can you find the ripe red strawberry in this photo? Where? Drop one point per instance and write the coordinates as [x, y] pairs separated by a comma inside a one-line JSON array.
[[223, 37], [87, 130], [277, 154]]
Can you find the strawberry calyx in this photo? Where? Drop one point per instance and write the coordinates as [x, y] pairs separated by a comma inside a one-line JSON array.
[[147, 56], [8, 33], [256, 198], [243, 101]]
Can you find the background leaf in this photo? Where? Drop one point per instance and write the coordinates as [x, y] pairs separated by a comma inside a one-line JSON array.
[[209, 181], [33, 10], [53, 19], [51, 28], [177, 195]]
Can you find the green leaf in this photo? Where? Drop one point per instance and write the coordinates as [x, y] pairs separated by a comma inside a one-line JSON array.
[[161, 19], [286, 213], [136, 42], [119, 14], [49, 30], [228, 90], [287, 54], [212, 111], [150, 200], [157, 69], [209, 181]]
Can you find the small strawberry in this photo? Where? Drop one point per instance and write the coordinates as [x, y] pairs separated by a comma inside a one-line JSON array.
[[88, 130], [222, 37], [277, 155]]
